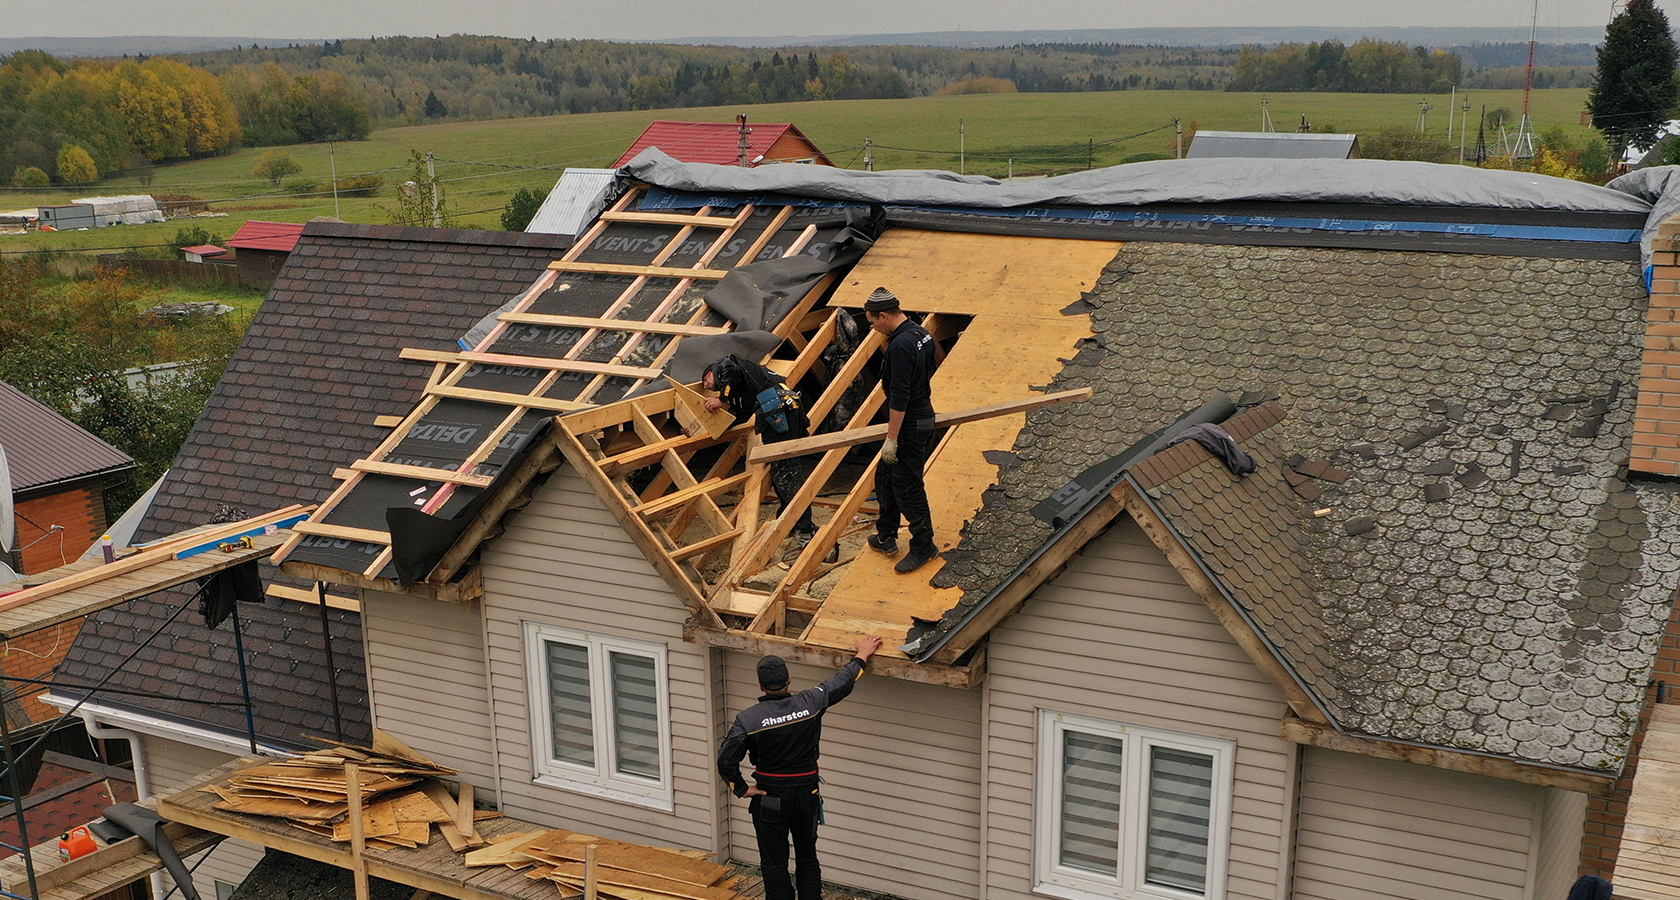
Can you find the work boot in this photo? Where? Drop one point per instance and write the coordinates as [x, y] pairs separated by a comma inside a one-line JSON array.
[[914, 560], [889, 546]]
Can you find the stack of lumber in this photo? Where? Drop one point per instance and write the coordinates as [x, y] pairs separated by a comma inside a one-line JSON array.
[[401, 798], [617, 870]]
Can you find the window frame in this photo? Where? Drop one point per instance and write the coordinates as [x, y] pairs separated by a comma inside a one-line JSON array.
[[600, 779], [1053, 879]]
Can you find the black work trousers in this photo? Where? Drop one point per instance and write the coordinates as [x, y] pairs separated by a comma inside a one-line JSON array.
[[800, 809], [900, 491]]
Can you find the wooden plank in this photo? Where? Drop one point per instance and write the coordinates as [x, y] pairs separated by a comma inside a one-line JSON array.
[[344, 532], [702, 547], [467, 588], [743, 603], [645, 271], [161, 551], [974, 274], [420, 473], [358, 871], [387, 421], [679, 328], [302, 595], [964, 677], [684, 495], [654, 218], [854, 436], [503, 398], [1303, 732], [559, 365], [464, 812], [694, 417]]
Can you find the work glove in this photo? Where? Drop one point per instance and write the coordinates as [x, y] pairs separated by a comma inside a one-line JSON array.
[[889, 451]]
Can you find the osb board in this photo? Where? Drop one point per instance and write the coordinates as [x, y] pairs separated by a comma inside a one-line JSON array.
[[975, 274], [1649, 863], [1018, 339]]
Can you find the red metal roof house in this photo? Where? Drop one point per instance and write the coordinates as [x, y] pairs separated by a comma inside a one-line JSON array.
[[261, 249], [719, 143]]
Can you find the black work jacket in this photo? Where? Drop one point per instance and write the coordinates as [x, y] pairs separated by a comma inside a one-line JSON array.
[[907, 371], [782, 733]]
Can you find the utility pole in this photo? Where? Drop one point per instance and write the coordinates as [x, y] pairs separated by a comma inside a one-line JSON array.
[[962, 148], [1011, 168], [1462, 129], [1452, 101], [1423, 112], [1265, 116], [1481, 137], [1178, 139], [1090, 152], [741, 125], [431, 178], [332, 160], [1525, 128], [868, 155]]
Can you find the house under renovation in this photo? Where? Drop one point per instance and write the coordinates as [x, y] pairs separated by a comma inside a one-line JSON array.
[[1417, 651]]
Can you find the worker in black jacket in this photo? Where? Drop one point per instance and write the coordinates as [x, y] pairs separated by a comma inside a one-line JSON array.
[[906, 378], [746, 388], [782, 733]]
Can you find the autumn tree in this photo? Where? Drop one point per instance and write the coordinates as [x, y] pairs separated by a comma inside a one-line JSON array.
[[1635, 89], [276, 165], [30, 177], [76, 166]]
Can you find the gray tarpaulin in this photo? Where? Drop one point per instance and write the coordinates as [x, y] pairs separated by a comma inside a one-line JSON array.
[[1374, 181], [1654, 192], [694, 354]]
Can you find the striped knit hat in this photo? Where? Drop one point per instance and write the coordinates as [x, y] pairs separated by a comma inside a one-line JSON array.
[[881, 300]]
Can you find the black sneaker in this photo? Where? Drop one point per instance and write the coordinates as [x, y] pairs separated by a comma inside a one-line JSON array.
[[914, 560], [801, 538], [889, 547]]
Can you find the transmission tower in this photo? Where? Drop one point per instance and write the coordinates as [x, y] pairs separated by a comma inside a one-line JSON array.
[[1525, 128]]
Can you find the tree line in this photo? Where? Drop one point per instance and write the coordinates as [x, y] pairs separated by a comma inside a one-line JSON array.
[[72, 122], [1369, 67]]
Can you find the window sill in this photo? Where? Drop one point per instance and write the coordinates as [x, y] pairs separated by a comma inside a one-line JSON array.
[[1147, 892], [662, 804]]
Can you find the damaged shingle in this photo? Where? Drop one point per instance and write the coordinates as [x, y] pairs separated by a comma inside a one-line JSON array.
[[1421, 436]]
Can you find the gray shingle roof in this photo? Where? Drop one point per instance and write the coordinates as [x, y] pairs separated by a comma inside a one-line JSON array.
[[298, 400], [1510, 592]]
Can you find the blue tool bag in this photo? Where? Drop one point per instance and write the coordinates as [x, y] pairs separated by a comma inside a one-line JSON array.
[[772, 408]]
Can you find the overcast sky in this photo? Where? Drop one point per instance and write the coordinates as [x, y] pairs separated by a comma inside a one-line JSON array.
[[656, 19]]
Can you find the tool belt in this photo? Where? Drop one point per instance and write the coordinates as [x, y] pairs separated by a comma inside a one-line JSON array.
[[773, 405]]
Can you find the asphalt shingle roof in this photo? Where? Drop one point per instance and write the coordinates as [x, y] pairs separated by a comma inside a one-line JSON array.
[[299, 399], [1487, 579]]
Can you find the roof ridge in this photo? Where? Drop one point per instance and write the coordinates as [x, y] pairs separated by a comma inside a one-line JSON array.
[[1180, 458]]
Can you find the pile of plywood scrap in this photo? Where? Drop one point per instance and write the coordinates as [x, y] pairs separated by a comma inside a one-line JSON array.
[[401, 796], [604, 867]]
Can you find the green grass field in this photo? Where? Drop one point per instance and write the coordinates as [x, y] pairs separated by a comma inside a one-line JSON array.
[[484, 162]]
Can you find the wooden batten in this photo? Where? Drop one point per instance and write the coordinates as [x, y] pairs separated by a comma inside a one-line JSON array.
[[1317, 735], [964, 677], [467, 588]]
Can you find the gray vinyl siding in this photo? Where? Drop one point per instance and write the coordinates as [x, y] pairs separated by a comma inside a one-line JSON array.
[[1375, 829], [1119, 636], [170, 765], [1563, 825], [901, 764], [564, 561], [1564, 820], [425, 661]]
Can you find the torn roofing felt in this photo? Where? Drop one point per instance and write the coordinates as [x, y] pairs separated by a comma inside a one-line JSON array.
[[1153, 188], [1486, 578], [424, 518]]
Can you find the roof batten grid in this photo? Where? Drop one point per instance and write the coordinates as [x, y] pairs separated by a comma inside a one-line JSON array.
[[451, 367]]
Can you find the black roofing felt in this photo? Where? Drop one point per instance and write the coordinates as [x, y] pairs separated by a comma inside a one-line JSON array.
[[298, 400], [452, 430], [1511, 604]]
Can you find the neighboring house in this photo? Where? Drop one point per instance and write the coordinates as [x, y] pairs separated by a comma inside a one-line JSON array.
[[260, 250], [203, 252], [60, 474], [1273, 145], [302, 395], [1408, 656], [719, 143]]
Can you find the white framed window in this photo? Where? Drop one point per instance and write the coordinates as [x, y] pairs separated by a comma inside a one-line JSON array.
[[600, 715], [1128, 812]]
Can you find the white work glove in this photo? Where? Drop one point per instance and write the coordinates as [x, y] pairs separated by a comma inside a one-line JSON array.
[[889, 451]]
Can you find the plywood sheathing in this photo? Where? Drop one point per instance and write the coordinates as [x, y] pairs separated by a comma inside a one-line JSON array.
[[1015, 288]]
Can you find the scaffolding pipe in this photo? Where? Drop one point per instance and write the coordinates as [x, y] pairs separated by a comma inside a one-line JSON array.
[[16, 789]]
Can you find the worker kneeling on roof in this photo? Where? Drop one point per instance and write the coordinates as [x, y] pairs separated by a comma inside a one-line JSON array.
[[906, 378], [749, 389], [782, 733]]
